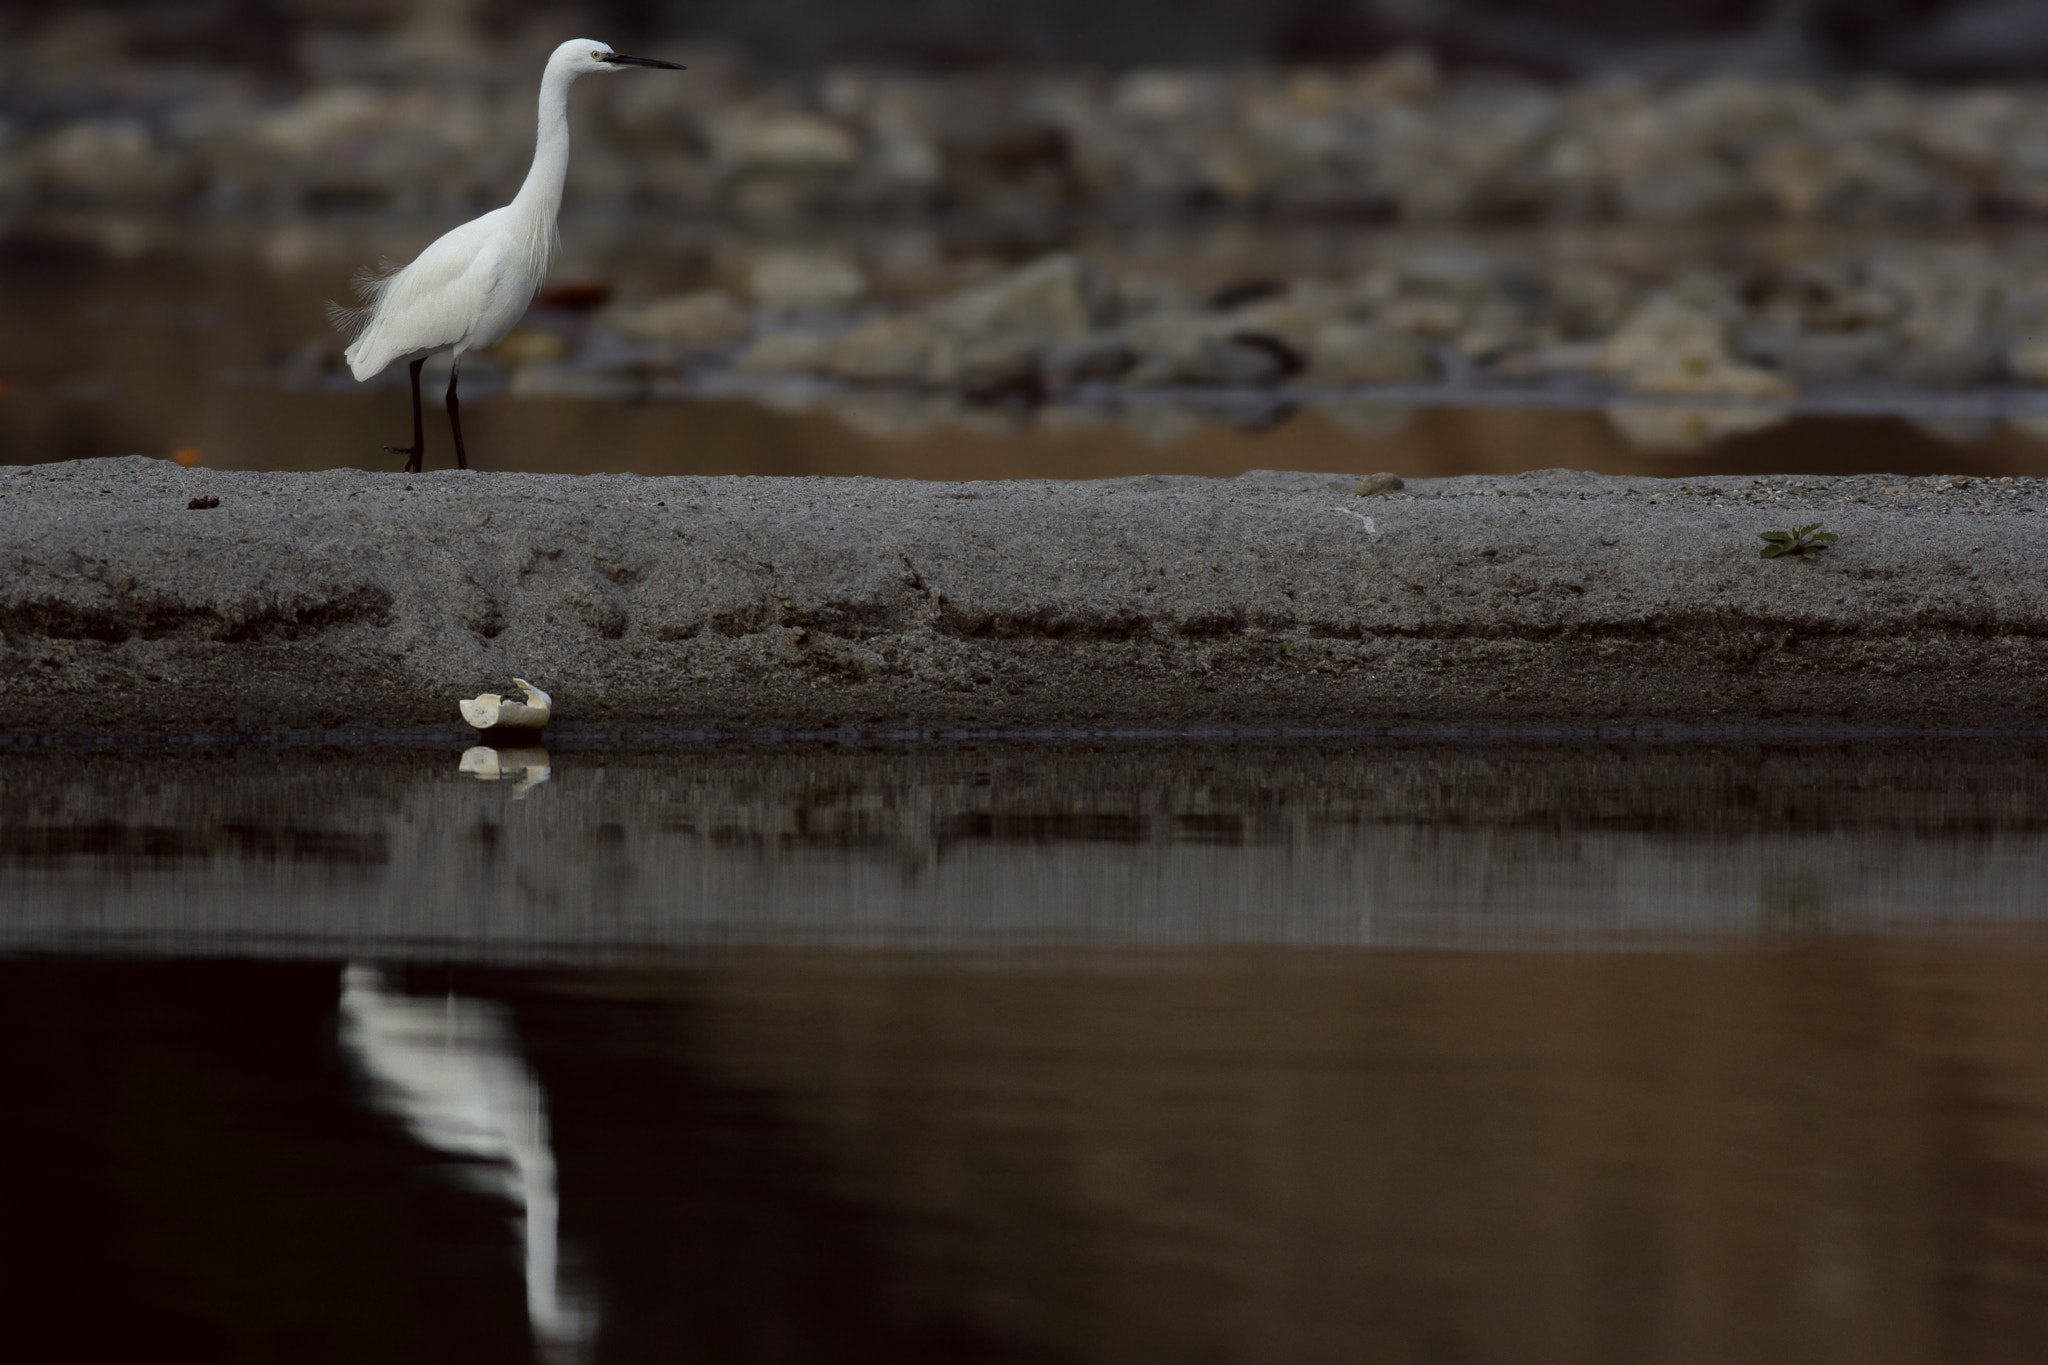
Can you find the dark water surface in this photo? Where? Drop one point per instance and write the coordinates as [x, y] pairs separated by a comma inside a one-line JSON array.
[[1089, 1051]]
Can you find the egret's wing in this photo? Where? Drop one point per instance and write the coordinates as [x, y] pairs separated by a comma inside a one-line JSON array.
[[437, 300]]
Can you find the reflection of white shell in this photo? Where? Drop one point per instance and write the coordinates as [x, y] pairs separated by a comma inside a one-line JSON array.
[[486, 764], [491, 711]]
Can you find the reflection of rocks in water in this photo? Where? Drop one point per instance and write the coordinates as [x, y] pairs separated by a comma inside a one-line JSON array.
[[1369, 419], [1162, 424], [890, 415], [1673, 430], [450, 1071], [1957, 429]]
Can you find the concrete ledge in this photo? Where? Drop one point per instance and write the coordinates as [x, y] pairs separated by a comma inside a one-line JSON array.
[[352, 600]]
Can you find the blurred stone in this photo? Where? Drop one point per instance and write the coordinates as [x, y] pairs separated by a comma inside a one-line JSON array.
[[320, 117], [1824, 174], [1296, 317], [1832, 296], [1057, 298], [1345, 354], [892, 350], [1192, 350], [1496, 327], [1707, 291], [1428, 317], [1586, 300], [1091, 360], [1686, 189], [971, 165], [2028, 360], [1007, 365], [1704, 377], [1819, 355], [1452, 273], [404, 119], [1372, 485], [1668, 347], [1405, 76], [1145, 296], [530, 346], [1164, 96], [706, 319], [786, 352], [782, 140], [805, 279], [113, 159], [1954, 361], [1661, 334]]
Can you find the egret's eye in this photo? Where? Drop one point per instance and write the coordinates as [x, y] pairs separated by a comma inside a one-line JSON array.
[[595, 55]]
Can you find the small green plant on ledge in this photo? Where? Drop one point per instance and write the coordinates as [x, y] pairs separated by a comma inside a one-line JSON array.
[[1804, 540]]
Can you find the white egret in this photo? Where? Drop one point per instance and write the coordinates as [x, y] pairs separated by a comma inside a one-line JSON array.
[[469, 287]]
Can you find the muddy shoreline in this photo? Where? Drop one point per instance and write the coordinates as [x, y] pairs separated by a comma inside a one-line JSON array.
[[345, 602]]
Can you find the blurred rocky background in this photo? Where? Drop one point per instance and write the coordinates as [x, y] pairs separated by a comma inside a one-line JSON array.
[[1757, 204], [1375, 110]]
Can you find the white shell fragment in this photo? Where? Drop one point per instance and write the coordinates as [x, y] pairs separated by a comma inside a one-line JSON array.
[[492, 712], [530, 766]]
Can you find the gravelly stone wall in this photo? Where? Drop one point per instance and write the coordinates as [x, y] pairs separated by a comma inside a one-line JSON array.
[[351, 601]]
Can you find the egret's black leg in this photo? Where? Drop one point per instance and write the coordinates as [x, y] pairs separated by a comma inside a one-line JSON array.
[[455, 417], [419, 436]]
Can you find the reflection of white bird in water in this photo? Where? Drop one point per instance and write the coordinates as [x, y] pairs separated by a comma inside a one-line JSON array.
[[469, 287], [450, 1071]]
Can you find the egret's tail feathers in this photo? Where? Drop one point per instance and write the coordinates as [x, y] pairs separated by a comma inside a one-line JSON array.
[[372, 280], [369, 283], [349, 321]]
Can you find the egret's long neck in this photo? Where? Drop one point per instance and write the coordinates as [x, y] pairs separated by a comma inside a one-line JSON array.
[[540, 198]]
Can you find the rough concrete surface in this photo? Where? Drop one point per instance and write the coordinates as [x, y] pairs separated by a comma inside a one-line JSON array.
[[355, 600]]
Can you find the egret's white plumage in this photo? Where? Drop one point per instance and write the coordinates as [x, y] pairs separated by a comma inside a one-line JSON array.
[[474, 282]]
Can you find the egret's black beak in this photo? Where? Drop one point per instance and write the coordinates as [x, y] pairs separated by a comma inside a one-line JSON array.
[[621, 59]]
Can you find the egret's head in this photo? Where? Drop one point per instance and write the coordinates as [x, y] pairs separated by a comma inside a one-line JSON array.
[[585, 55]]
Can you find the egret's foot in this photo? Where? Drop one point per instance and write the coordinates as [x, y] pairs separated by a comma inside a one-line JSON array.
[[412, 455]]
